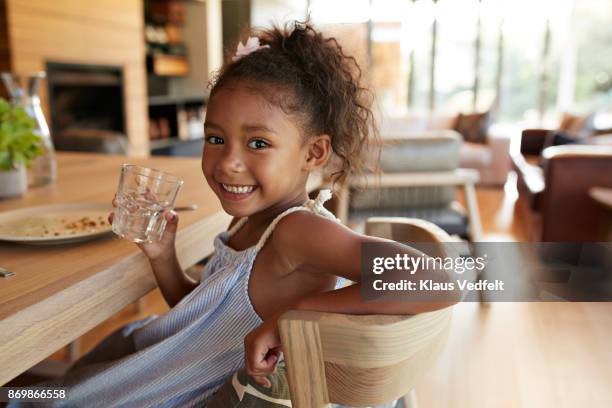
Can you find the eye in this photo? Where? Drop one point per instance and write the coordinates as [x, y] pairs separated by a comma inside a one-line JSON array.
[[258, 144], [214, 140]]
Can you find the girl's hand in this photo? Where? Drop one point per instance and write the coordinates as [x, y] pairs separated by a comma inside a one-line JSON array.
[[163, 248], [262, 350]]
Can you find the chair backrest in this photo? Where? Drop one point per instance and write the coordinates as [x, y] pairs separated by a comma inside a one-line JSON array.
[[363, 360], [569, 214]]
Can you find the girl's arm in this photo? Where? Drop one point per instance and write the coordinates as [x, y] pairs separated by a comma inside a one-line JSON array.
[[172, 281], [328, 247]]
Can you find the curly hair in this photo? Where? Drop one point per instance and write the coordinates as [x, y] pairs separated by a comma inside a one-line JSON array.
[[312, 80]]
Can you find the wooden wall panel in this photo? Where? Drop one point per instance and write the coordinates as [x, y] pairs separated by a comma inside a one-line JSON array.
[[101, 32], [5, 55]]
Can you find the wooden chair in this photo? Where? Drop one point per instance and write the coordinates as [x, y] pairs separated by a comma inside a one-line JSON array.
[[370, 359]]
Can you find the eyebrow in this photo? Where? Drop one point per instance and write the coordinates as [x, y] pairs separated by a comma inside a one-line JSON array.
[[210, 124], [255, 127]]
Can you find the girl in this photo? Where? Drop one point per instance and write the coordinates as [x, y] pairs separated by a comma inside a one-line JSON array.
[[287, 102]]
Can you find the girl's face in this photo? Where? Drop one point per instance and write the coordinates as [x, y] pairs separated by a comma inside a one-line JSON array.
[[254, 158]]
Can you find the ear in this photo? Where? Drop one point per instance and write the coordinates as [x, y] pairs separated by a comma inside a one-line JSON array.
[[318, 151]]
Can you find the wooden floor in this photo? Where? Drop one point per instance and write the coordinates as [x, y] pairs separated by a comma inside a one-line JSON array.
[[524, 355], [521, 354], [499, 355]]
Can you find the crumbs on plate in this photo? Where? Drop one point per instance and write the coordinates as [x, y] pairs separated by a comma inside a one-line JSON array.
[[52, 225]]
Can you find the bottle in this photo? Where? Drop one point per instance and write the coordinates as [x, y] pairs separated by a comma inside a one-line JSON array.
[[43, 169], [194, 125]]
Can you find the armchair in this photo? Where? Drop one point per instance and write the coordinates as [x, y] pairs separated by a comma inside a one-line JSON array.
[[554, 187], [419, 180], [568, 213]]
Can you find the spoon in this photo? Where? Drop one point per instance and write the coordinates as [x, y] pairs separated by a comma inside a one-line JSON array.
[[190, 207], [5, 273]]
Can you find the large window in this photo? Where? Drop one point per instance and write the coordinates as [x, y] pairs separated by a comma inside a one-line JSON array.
[[265, 13], [455, 55], [390, 61], [523, 29], [417, 28], [490, 54], [592, 26], [347, 21], [525, 60]]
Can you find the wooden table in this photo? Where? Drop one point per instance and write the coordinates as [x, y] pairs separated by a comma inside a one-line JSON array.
[[60, 292]]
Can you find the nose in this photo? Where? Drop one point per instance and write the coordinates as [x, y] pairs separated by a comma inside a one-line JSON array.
[[232, 162]]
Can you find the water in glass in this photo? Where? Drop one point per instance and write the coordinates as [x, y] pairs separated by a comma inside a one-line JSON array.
[[142, 197]]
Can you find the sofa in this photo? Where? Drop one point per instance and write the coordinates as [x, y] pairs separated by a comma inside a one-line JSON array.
[[554, 181], [491, 158], [419, 179]]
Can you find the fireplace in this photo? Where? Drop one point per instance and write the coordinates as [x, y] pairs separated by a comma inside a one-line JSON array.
[[87, 107]]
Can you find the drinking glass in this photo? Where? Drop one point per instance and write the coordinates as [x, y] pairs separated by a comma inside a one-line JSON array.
[[142, 197]]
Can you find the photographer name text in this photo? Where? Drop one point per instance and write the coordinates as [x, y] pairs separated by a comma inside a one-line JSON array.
[[430, 285]]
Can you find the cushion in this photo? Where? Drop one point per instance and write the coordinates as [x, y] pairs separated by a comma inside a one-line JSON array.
[[566, 120], [475, 156], [402, 197], [601, 140], [559, 138], [391, 126], [576, 125], [241, 391], [425, 151], [437, 122], [473, 127]]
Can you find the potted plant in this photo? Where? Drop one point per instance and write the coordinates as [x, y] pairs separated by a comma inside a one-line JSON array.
[[18, 146]]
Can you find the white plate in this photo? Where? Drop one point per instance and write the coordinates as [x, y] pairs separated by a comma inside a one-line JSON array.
[[55, 224]]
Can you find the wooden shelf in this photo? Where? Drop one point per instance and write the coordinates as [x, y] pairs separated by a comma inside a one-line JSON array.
[[175, 100], [169, 65]]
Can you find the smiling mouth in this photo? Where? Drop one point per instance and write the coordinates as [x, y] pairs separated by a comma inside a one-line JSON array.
[[233, 192], [237, 189]]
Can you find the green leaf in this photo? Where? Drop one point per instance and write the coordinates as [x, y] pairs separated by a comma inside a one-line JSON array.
[[5, 161], [18, 142]]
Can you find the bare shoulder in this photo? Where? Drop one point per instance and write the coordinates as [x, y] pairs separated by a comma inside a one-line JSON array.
[[309, 238], [300, 225], [317, 244]]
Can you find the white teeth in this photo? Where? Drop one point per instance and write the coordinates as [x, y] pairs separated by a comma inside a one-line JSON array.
[[238, 189]]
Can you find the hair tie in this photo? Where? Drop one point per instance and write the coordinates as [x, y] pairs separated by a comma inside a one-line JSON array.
[[251, 45]]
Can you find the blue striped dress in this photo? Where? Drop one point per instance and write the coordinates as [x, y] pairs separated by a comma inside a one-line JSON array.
[[181, 358]]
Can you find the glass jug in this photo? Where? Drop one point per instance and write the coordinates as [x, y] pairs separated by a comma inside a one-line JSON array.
[[43, 169]]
